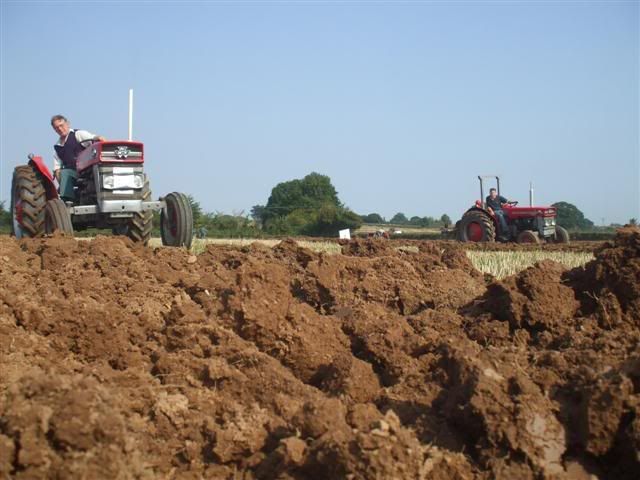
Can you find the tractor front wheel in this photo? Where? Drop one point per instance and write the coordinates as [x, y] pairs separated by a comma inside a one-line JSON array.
[[528, 236], [562, 236], [140, 225], [28, 199], [57, 218], [476, 226], [176, 221]]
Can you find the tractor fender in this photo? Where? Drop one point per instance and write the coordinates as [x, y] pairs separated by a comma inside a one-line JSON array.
[[483, 210], [491, 215], [47, 177]]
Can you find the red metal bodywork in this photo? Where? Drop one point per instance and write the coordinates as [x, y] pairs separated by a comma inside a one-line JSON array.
[[47, 177], [93, 154], [475, 232], [513, 213]]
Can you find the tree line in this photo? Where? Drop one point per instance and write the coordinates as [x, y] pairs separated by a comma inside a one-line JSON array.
[[401, 219], [310, 206]]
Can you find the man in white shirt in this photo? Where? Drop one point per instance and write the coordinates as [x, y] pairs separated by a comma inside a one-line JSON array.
[[69, 145]]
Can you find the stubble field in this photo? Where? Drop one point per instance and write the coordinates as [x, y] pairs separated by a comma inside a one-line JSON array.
[[366, 359]]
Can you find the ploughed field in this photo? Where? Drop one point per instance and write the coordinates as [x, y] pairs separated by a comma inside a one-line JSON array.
[[123, 361]]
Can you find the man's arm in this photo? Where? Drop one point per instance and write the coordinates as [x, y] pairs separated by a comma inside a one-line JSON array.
[[503, 200], [83, 136]]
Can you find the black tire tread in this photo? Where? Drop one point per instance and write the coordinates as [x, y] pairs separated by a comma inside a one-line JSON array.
[[526, 235], [562, 236], [479, 217], [184, 216], [141, 224], [27, 185], [57, 217]]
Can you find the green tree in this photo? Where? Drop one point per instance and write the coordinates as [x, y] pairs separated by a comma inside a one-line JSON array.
[[310, 193], [307, 206], [196, 209], [633, 222], [220, 224], [329, 219], [570, 217], [428, 221], [257, 213], [399, 219], [5, 216], [445, 220], [373, 218]]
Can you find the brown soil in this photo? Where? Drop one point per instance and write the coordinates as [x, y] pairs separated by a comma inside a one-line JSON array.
[[120, 361]]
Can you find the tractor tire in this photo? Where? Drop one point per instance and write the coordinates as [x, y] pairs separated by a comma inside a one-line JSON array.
[[476, 226], [28, 200], [562, 236], [140, 225], [528, 236], [57, 218], [176, 221]]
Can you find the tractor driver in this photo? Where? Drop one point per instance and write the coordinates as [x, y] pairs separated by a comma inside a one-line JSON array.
[[494, 203], [66, 151]]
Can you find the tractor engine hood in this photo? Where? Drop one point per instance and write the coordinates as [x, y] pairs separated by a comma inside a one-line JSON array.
[[112, 151], [516, 212]]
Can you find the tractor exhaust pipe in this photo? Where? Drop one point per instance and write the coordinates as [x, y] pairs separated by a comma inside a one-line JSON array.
[[130, 114], [531, 194]]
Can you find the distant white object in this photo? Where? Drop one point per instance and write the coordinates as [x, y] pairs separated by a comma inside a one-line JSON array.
[[397, 232], [345, 234]]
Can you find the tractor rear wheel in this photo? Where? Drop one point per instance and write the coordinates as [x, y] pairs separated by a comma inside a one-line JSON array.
[[476, 226], [28, 199], [140, 225], [176, 221], [528, 236], [562, 236], [57, 218]]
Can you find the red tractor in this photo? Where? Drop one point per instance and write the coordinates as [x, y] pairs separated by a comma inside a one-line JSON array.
[[525, 224], [111, 191]]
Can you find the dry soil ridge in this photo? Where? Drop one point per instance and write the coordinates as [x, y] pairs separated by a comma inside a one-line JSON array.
[[120, 361]]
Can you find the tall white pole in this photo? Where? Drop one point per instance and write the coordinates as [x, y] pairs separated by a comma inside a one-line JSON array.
[[531, 194], [130, 114]]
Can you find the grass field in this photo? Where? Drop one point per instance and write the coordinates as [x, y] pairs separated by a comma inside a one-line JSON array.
[[504, 263], [500, 264]]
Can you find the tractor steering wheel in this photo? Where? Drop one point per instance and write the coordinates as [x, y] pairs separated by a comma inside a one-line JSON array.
[[513, 204]]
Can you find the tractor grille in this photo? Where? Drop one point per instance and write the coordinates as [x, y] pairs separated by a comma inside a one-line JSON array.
[[121, 152], [126, 191]]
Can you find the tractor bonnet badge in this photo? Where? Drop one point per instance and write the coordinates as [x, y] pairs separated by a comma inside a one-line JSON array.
[[122, 152]]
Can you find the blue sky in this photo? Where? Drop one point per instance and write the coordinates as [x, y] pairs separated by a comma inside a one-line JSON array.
[[401, 104]]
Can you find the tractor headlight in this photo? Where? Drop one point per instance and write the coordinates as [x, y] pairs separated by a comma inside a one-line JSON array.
[[108, 181], [138, 181]]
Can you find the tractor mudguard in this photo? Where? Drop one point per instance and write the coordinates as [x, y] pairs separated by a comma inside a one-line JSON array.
[[47, 177], [480, 209]]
